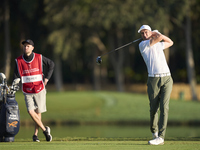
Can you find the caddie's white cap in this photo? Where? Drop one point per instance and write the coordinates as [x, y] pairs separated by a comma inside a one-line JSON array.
[[144, 27]]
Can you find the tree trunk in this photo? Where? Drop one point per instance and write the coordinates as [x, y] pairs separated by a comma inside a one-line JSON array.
[[7, 48], [96, 73], [58, 73], [190, 59], [117, 59], [166, 51]]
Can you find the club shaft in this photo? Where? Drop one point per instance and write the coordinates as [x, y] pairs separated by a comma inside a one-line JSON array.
[[122, 47]]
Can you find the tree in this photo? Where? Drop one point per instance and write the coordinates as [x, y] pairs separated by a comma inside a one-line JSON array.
[[7, 48], [63, 33], [183, 20], [189, 57], [97, 45]]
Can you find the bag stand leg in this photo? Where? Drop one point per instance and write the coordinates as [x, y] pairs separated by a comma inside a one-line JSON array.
[[9, 139]]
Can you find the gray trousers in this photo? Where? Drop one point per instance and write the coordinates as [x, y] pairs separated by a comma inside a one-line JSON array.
[[159, 91]]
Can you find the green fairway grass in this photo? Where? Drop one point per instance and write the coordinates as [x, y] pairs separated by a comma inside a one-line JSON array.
[[100, 145], [89, 106]]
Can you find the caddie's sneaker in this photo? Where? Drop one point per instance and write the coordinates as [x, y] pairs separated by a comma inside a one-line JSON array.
[[35, 138], [156, 141], [155, 135], [47, 134]]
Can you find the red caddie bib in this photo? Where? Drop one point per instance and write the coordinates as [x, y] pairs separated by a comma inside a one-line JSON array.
[[31, 74]]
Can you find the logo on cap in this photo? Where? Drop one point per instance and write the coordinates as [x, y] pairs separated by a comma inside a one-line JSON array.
[[28, 41]]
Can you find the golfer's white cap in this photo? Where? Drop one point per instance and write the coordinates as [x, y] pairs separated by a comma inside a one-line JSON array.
[[144, 27]]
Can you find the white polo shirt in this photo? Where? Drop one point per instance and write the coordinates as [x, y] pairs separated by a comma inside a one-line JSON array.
[[154, 57]]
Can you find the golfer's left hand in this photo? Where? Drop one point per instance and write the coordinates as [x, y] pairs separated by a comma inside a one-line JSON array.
[[45, 81]]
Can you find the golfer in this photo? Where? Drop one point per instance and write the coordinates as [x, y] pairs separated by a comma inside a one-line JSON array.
[[35, 71], [159, 84]]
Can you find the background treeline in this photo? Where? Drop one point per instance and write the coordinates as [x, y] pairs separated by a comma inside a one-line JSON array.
[[74, 32]]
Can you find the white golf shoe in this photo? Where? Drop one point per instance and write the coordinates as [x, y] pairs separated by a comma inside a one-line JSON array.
[[155, 135], [156, 141]]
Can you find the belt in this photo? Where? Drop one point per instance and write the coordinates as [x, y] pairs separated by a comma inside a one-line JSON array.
[[159, 75]]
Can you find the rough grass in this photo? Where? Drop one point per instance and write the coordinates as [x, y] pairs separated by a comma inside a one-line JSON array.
[[107, 107]]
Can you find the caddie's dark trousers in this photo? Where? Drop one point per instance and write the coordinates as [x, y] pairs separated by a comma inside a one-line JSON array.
[[159, 91]]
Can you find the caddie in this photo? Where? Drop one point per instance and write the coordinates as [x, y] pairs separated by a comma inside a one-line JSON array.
[[35, 71]]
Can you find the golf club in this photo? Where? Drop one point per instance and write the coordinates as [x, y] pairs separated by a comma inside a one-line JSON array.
[[9, 110], [99, 60]]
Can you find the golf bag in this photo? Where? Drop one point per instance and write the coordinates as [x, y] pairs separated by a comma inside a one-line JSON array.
[[9, 111]]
